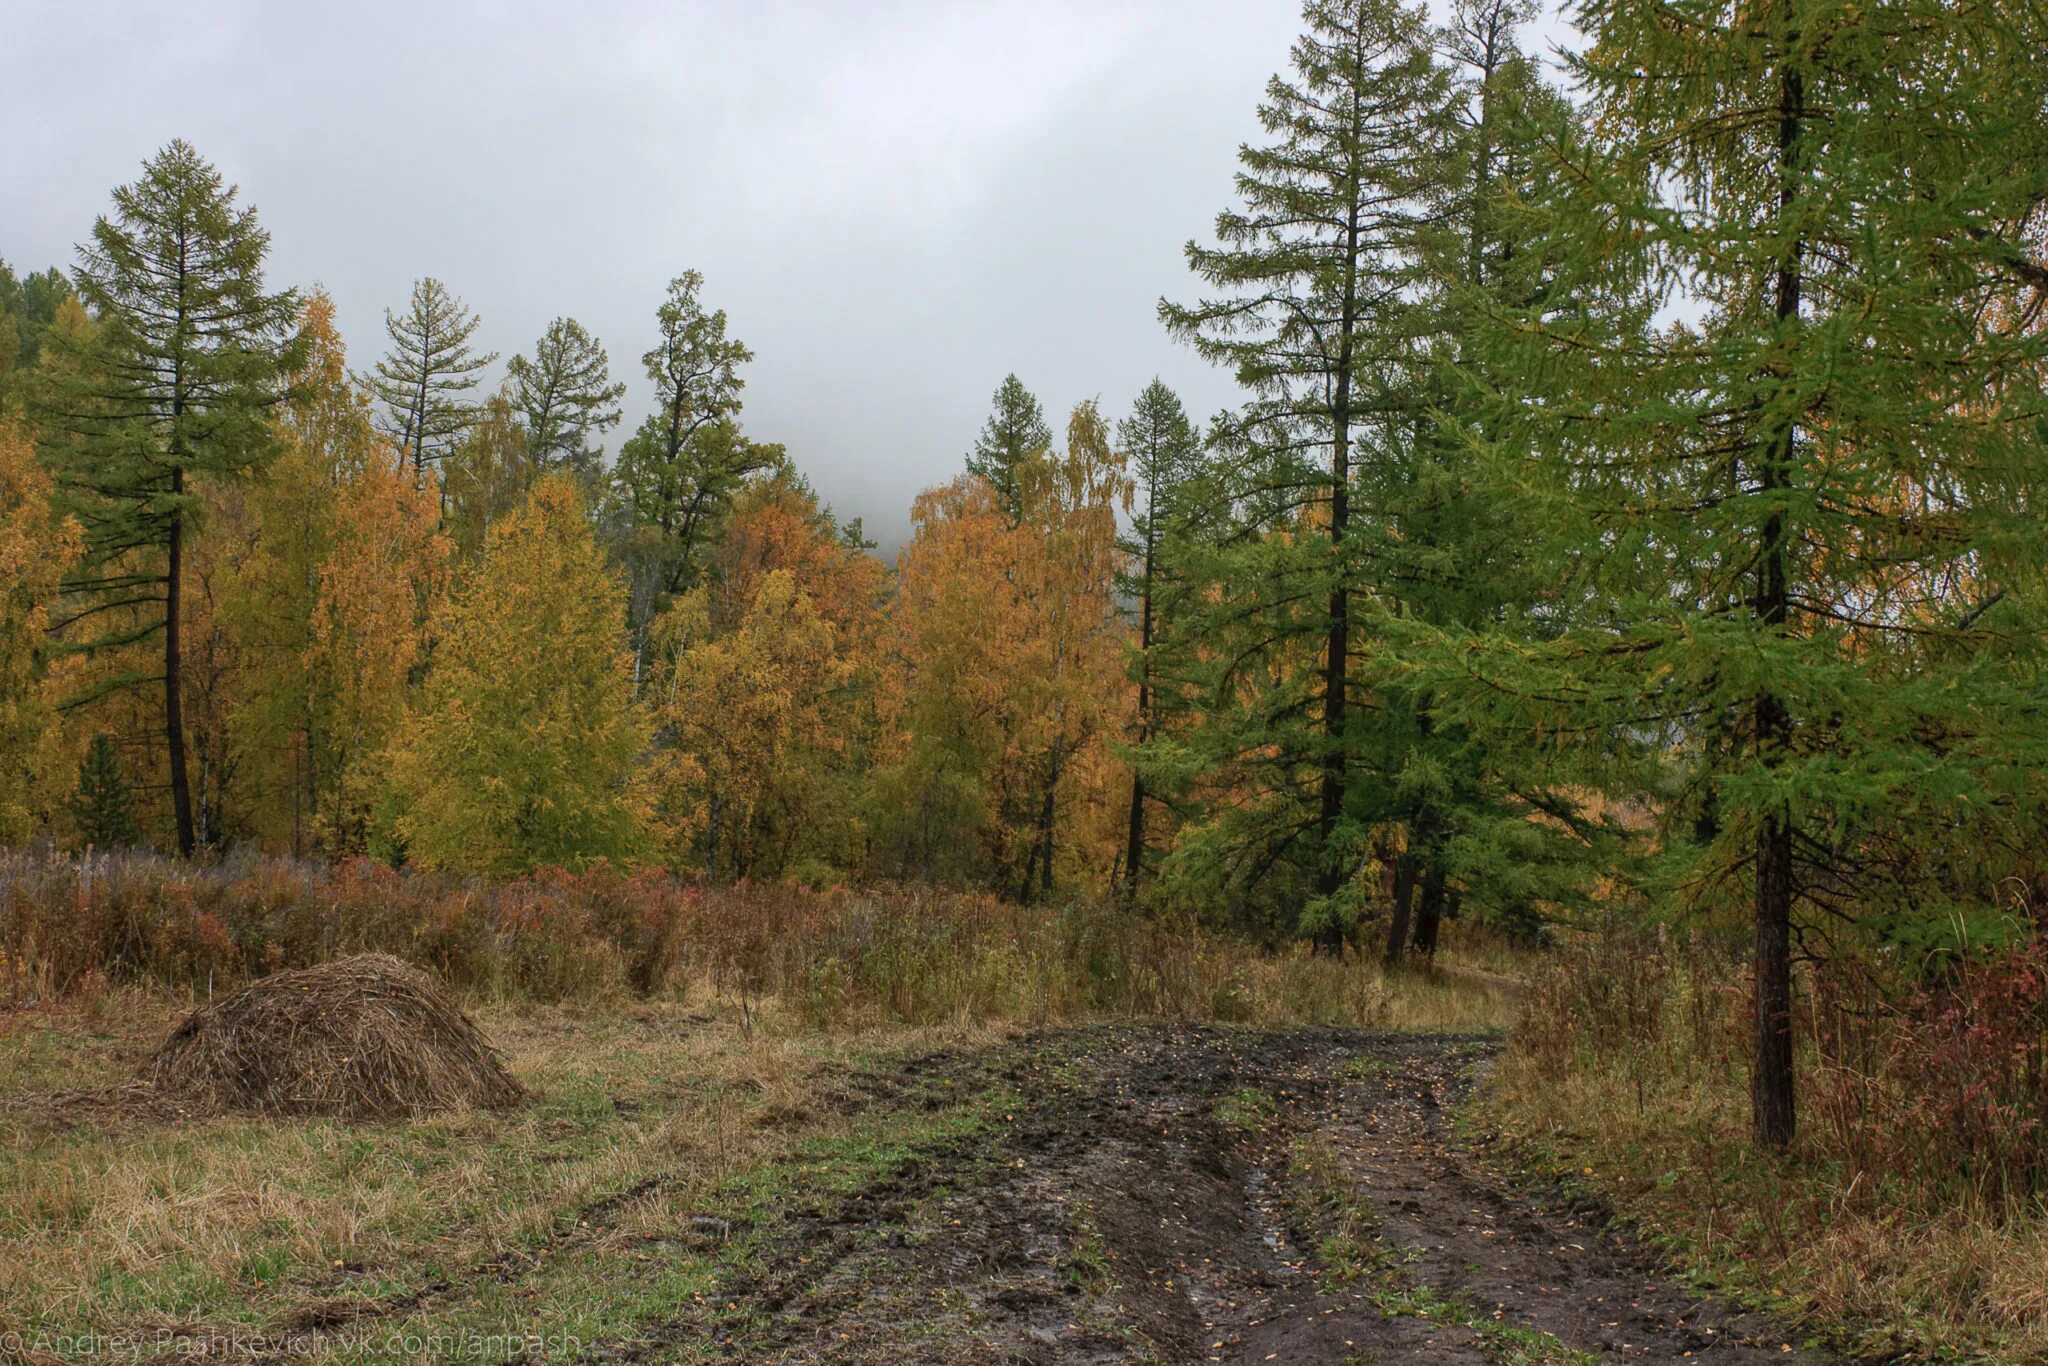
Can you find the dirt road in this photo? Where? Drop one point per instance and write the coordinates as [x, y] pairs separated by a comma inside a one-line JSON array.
[[1172, 1194]]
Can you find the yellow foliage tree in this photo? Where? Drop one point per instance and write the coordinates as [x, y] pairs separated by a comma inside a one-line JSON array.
[[256, 703], [777, 524], [326, 418], [520, 750], [1069, 507], [762, 688], [384, 577], [959, 633], [748, 709], [1004, 681], [36, 548]]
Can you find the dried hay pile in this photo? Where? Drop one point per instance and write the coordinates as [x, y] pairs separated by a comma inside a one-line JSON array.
[[368, 1037]]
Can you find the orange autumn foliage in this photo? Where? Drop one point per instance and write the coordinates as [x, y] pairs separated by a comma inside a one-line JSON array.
[[763, 688], [384, 578], [36, 547], [1005, 686]]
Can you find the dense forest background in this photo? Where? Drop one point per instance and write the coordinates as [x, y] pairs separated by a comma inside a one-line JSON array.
[[1633, 509]]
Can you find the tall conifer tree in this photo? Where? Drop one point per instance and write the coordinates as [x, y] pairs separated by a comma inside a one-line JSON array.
[[1801, 534], [1314, 310], [1014, 433], [1162, 447], [1451, 807], [567, 396], [189, 355], [677, 474], [424, 381]]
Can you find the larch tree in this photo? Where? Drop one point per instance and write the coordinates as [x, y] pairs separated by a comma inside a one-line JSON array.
[[1805, 526], [745, 704], [28, 305], [102, 806], [959, 643], [188, 358], [425, 380], [1162, 447], [327, 415], [381, 583], [1456, 817], [37, 546], [255, 713], [267, 546], [778, 523], [1494, 80], [1014, 433], [520, 749], [1315, 312], [677, 474], [568, 398], [1069, 503], [1002, 689], [489, 474], [805, 811]]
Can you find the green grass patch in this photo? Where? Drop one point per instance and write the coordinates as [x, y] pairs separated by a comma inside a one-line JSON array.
[[1513, 1344], [1247, 1109]]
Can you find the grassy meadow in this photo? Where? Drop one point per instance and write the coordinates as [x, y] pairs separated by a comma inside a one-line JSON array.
[[763, 1055]]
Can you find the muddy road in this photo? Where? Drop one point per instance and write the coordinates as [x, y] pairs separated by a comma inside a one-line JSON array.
[[1177, 1194]]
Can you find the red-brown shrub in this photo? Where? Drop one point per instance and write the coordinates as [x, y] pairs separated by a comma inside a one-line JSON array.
[[890, 953], [1924, 1092], [1944, 1082]]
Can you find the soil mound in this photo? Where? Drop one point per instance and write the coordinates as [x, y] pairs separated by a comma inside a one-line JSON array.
[[368, 1037]]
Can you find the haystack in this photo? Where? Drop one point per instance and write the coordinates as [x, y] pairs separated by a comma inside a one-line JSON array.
[[367, 1037]]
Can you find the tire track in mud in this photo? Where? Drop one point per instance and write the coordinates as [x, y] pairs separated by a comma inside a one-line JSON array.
[[1161, 1193]]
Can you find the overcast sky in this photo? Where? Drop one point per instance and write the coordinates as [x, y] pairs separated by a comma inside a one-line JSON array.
[[896, 203]]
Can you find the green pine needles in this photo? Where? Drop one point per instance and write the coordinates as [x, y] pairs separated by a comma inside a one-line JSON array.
[[1793, 519], [103, 808], [1669, 458], [174, 386]]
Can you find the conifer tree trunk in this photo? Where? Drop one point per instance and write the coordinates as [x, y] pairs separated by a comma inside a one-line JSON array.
[[1426, 932], [174, 585], [1038, 862], [1337, 645], [711, 854], [174, 708], [415, 424], [1771, 1101], [1134, 848], [1052, 790], [1429, 915], [1771, 1083], [1404, 900]]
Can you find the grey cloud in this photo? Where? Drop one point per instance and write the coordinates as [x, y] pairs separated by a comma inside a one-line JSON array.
[[896, 203]]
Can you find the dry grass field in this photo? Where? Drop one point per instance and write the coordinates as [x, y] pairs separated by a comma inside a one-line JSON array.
[[664, 1141]]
